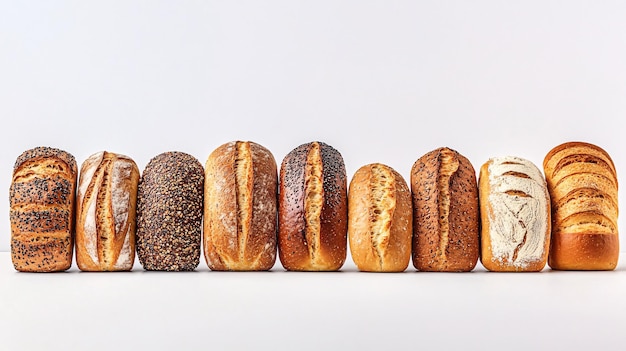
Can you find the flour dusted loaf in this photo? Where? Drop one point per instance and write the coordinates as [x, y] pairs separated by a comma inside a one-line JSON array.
[[169, 213], [240, 205], [445, 212], [41, 200], [582, 181], [515, 213], [313, 209], [106, 212], [379, 219]]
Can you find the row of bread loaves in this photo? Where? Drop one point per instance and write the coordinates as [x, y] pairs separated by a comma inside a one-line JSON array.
[[511, 217]]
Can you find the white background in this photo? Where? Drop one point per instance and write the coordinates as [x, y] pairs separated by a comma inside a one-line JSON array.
[[381, 81]]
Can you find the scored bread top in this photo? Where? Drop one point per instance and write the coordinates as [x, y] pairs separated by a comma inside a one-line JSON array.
[[518, 212], [383, 205], [579, 152], [240, 207], [313, 208], [445, 212], [584, 189], [107, 195], [43, 152], [42, 192], [379, 219]]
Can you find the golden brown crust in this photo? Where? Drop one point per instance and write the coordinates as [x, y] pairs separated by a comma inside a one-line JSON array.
[[515, 216], [42, 210], [300, 248], [240, 208], [583, 187], [169, 213], [586, 251], [106, 213], [379, 219], [445, 212]]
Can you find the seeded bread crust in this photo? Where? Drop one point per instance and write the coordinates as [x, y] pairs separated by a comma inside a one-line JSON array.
[[169, 213], [300, 247], [379, 219], [106, 213], [445, 242], [583, 186], [240, 208], [41, 197]]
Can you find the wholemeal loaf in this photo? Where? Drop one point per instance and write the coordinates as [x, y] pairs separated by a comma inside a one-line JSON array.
[[445, 212], [240, 202], [313, 209], [379, 219], [582, 181], [515, 213], [42, 210], [169, 213], [106, 212]]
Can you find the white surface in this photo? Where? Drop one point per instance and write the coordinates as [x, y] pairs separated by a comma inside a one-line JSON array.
[[312, 311], [381, 81]]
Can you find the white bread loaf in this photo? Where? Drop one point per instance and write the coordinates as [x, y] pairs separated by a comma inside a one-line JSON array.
[[515, 213]]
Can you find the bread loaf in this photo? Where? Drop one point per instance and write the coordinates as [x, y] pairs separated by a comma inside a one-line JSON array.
[[240, 199], [169, 213], [106, 212], [42, 210], [379, 219], [582, 181], [515, 213], [445, 212], [313, 209]]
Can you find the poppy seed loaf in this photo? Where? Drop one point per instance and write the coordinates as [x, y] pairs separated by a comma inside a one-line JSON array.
[[42, 210], [313, 209]]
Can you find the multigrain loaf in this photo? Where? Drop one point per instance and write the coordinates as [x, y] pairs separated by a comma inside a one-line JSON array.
[[169, 213], [42, 210], [515, 213], [582, 181], [379, 219], [445, 212], [313, 209], [240, 206], [106, 212]]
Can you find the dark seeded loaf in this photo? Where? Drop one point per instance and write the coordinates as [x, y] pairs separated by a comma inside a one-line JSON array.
[[313, 209], [445, 212], [42, 210], [169, 213]]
